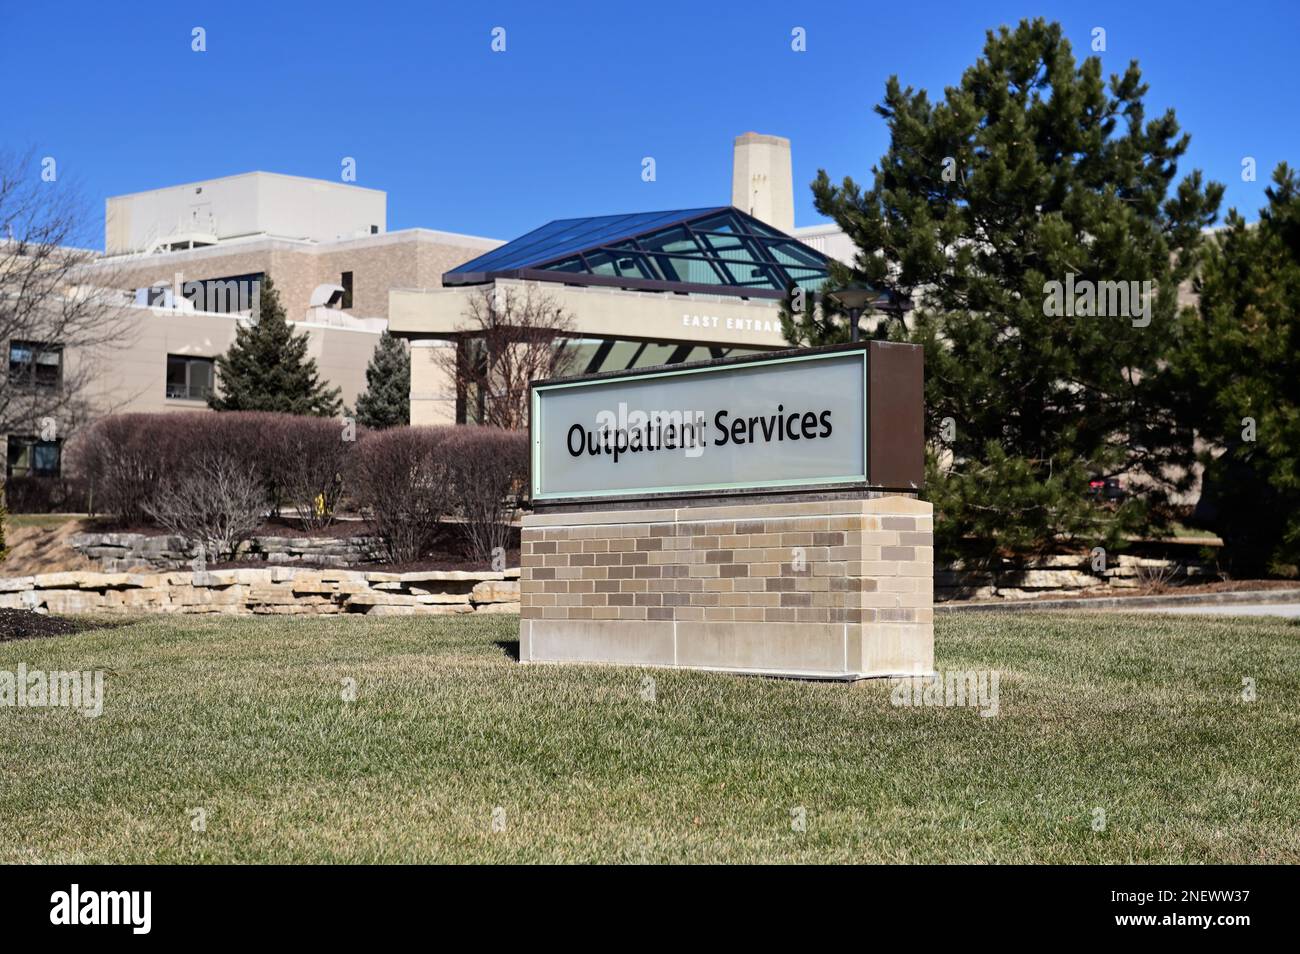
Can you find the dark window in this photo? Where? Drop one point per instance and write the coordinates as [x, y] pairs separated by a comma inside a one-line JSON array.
[[346, 281], [190, 378], [374, 230], [224, 295], [31, 457], [35, 365]]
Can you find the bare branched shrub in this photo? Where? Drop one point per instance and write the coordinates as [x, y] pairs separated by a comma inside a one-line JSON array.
[[214, 500], [402, 483], [309, 458], [1157, 577], [39, 494], [489, 479], [122, 460], [252, 438], [511, 336]]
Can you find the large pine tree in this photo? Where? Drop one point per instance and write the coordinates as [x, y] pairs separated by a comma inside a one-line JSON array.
[[1032, 170], [267, 368], [1240, 372], [386, 401]]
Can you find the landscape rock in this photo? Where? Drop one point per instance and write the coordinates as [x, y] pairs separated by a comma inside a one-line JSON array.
[[494, 591], [259, 591], [123, 551]]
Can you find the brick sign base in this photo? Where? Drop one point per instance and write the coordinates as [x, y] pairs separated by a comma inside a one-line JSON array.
[[832, 589]]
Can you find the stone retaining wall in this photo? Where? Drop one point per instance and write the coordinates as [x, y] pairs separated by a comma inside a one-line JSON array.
[[125, 551], [275, 590], [1047, 576], [1062, 574]]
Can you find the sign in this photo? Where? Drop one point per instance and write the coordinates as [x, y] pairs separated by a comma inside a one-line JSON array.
[[794, 420]]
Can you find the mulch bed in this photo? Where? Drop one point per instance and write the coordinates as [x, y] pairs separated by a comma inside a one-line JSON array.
[[278, 527], [436, 560], [24, 624]]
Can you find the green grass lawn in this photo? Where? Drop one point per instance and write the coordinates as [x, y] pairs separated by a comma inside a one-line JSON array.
[[243, 717]]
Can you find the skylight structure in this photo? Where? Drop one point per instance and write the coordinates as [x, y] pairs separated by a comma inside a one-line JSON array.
[[719, 250]]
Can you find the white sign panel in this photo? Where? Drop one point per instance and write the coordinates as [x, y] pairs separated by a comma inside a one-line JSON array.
[[791, 421]]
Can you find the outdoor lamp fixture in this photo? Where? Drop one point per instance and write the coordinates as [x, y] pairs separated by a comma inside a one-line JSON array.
[[854, 299]]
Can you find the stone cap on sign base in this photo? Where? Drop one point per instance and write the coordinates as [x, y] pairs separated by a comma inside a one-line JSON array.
[[776, 507]]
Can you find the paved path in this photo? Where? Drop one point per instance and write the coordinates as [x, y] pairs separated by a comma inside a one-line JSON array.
[[1289, 610], [1276, 602]]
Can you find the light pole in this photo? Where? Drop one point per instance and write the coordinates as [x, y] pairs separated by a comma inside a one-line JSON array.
[[854, 299]]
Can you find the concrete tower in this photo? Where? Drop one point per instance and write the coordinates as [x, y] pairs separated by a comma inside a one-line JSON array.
[[761, 181]]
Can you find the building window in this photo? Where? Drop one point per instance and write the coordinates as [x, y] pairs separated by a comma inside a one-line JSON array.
[[31, 457], [346, 281], [226, 295], [190, 378], [35, 365]]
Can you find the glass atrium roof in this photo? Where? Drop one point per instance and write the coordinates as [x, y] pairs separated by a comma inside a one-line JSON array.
[[720, 247]]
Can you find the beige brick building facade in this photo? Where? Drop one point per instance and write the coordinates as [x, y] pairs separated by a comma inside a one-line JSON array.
[[184, 266], [314, 239], [412, 258]]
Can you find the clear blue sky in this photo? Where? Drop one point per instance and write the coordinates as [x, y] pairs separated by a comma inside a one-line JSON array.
[[468, 140]]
